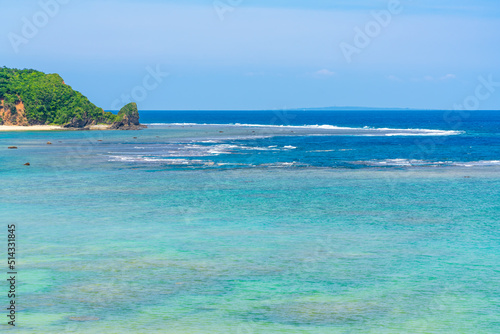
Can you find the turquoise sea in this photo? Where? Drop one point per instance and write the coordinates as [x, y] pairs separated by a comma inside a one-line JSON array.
[[244, 222]]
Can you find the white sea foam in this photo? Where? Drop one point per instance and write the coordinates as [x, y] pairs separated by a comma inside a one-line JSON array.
[[425, 163], [481, 163], [359, 131], [339, 150], [231, 149], [281, 165], [322, 151], [164, 152], [396, 162], [134, 158]]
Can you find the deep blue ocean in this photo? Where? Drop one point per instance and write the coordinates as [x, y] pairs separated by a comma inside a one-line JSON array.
[[470, 137], [246, 222]]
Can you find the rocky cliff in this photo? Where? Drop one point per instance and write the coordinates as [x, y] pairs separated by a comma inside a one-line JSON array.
[[13, 114], [128, 118], [29, 97]]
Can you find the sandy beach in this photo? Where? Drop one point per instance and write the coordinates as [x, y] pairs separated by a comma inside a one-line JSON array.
[[100, 127], [30, 128], [4, 128]]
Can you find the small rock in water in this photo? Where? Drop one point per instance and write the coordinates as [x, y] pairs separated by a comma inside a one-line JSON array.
[[12, 147], [49, 143], [221, 131], [99, 140], [27, 164], [135, 137]]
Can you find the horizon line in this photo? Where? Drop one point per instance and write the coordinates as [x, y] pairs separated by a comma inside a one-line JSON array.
[[317, 108]]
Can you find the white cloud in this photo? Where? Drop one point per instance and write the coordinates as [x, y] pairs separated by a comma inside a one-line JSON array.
[[324, 73], [448, 77]]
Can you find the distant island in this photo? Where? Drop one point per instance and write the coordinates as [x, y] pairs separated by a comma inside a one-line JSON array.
[[30, 98], [336, 108]]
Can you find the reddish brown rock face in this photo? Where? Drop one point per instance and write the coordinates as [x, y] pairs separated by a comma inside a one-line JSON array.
[[13, 117]]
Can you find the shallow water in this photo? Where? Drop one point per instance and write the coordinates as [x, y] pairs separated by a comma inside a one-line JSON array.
[[263, 236]]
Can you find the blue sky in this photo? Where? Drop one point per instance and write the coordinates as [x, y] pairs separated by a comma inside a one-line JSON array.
[[256, 54]]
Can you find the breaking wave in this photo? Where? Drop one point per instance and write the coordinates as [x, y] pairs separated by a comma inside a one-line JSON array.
[[325, 129]]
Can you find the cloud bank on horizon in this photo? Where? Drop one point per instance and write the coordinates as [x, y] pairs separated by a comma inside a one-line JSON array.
[[273, 54]]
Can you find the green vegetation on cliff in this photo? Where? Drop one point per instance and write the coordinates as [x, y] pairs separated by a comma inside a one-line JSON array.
[[46, 99], [130, 110], [128, 118]]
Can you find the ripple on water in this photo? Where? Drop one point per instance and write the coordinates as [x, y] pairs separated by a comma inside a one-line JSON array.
[[318, 313]]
